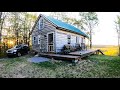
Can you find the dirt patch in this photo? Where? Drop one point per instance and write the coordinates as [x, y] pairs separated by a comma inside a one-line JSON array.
[[11, 75], [2, 58], [18, 76], [1, 65], [22, 65]]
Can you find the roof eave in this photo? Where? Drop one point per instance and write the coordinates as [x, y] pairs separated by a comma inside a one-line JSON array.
[[71, 31]]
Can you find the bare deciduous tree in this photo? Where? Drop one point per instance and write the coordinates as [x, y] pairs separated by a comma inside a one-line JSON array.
[[117, 24], [90, 20]]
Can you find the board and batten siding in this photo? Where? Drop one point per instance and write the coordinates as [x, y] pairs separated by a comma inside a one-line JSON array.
[[60, 36], [48, 27], [80, 40], [73, 39], [61, 39]]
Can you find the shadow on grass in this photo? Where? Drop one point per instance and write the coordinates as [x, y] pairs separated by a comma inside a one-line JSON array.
[[48, 65], [51, 64], [114, 67], [111, 64]]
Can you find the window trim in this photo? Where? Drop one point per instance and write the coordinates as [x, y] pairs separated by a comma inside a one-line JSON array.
[[34, 39], [82, 40], [41, 20], [69, 39], [53, 40], [77, 39], [39, 39]]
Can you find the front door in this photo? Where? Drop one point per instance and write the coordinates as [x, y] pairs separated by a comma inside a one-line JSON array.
[[50, 42]]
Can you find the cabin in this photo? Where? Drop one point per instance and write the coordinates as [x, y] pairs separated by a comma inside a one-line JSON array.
[[50, 35]]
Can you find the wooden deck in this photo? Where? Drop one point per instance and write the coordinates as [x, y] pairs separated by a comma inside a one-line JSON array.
[[60, 57], [74, 56], [85, 53]]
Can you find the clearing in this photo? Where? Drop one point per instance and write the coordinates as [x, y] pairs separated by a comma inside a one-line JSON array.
[[96, 66]]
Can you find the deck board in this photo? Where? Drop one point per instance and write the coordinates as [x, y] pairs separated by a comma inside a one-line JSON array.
[[59, 56], [81, 52], [77, 55], [85, 53]]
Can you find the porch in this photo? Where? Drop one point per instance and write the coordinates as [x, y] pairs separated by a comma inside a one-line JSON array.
[[73, 56]]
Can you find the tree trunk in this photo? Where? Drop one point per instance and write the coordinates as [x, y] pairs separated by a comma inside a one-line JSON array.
[[118, 43], [29, 39], [118, 49], [90, 37], [90, 41], [17, 37], [0, 29]]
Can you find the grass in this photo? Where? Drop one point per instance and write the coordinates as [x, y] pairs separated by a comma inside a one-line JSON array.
[[109, 65], [2, 55], [96, 66]]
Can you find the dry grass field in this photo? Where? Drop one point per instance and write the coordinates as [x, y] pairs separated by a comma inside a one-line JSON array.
[[108, 50], [95, 66]]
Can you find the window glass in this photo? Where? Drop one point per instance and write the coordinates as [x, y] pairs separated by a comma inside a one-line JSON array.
[[38, 39], [34, 39], [41, 24], [69, 39]]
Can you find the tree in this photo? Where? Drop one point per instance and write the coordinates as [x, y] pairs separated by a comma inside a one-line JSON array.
[[0, 26], [59, 15], [20, 24], [78, 23], [89, 20], [64, 16], [27, 23], [117, 24], [15, 24], [2, 21], [16, 27]]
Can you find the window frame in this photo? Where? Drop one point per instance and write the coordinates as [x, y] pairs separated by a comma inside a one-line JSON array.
[[69, 39], [41, 20], [82, 40], [39, 39], [34, 39], [77, 39]]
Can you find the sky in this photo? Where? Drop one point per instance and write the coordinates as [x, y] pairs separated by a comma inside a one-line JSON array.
[[104, 33]]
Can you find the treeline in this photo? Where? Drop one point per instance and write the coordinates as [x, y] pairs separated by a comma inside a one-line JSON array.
[[15, 28]]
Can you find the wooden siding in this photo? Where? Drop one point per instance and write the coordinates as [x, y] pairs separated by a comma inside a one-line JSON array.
[[48, 27], [60, 36], [61, 39], [80, 40], [73, 39]]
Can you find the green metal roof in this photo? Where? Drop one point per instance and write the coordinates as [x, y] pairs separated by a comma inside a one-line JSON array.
[[66, 26]]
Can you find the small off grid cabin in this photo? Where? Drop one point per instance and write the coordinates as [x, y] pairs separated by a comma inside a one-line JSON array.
[[50, 35]]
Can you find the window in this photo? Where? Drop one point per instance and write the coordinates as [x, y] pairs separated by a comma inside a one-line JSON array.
[[77, 39], [69, 39], [81, 40], [25, 47], [41, 24], [18, 46], [34, 39], [38, 39]]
